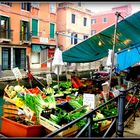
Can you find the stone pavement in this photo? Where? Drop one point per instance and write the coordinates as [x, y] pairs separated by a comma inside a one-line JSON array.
[[8, 74], [133, 127]]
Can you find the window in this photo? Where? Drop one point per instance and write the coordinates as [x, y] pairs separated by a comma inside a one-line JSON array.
[[6, 3], [85, 36], [34, 27], [35, 58], [104, 20], [4, 27], [26, 6], [79, 4], [93, 32], [35, 4], [24, 31], [6, 58], [52, 30], [93, 21], [19, 58], [74, 38], [52, 8], [73, 18], [85, 21]]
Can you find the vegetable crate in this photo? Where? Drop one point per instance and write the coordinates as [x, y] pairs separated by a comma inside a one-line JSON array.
[[104, 127], [50, 127], [10, 110]]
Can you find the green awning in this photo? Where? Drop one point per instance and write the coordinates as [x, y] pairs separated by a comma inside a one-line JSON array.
[[128, 34], [36, 48], [44, 47]]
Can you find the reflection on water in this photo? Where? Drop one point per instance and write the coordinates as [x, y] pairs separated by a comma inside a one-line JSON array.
[[1, 109]]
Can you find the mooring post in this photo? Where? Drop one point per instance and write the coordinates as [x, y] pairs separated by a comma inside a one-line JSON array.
[[121, 112]]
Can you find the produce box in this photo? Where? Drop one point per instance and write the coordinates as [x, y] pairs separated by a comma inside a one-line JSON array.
[[50, 127], [10, 106], [6, 98], [7, 92], [104, 127]]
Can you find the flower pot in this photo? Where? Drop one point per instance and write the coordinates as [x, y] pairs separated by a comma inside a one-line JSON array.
[[11, 128]]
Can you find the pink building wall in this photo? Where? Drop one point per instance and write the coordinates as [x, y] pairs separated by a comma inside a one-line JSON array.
[[110, 15]]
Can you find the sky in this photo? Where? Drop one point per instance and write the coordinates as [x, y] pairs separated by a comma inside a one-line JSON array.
[[105, 6]]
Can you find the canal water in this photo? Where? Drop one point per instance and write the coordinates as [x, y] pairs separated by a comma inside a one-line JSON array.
[[1, 108]]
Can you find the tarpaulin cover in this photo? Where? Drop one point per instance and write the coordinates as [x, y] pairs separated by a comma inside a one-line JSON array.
[[128, 57], [128, 34], [36, 48]]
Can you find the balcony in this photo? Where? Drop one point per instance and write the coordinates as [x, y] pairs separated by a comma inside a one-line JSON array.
[[25, 38], [6, 35]]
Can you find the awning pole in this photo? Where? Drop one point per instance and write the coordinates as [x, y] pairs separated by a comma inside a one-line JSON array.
[[57, 65], [114, 45]]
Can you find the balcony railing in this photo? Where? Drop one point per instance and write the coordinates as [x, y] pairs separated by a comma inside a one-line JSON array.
[[25, 37], [6, 34]]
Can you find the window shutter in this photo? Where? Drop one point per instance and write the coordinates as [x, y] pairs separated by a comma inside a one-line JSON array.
[[21, 31], [28, 6], [51, 30], [34, 27]]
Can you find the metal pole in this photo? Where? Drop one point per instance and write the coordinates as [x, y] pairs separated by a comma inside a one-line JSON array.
[[120, 120], [90, 125], [57, 65], [114, 45]]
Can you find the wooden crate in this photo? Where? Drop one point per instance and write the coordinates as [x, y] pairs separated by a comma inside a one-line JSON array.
[[50, 127], [9, 106], [102, 128]]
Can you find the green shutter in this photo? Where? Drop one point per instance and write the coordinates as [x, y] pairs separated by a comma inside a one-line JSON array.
[[9, 29], [21, 34], [52, 33], [34, 27]]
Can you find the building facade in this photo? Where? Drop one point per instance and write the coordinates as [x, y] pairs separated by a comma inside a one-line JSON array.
[[73, 24], [102, 20], [27, 29]]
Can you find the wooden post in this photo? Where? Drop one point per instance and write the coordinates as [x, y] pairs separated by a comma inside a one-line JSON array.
[[29, 71]]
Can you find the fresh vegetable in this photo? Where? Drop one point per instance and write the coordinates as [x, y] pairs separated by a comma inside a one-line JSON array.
[[19, 88], [34, 90], [50, 100], [74, 104], [19, 103], [65, 85], [49, 91], [35, 103]]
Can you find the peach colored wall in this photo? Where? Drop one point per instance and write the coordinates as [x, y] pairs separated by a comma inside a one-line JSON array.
[[16, 14], [64, 23], [61, 20]]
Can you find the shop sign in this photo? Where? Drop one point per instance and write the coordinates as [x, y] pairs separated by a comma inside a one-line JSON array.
[[43, 40], [89, 100], [48, 79], [17, 73], [68, 76]]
